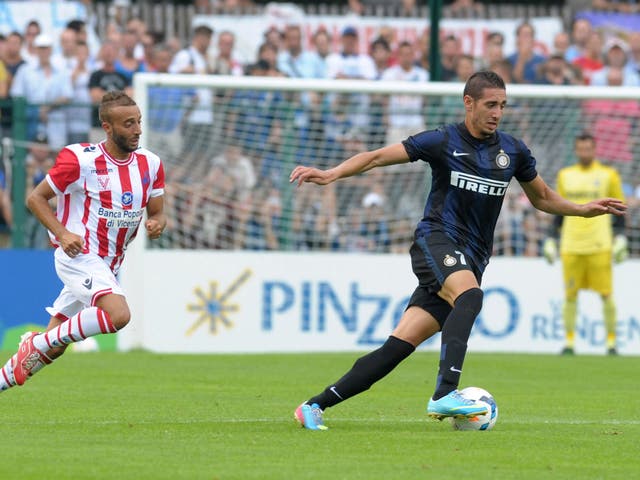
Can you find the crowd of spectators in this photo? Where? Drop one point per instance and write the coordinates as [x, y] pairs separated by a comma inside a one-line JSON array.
[[224, 150]]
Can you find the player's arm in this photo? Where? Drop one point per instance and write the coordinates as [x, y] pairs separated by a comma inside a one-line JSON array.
[[38, 203], [359, 163], [156, 219], [548, 200]]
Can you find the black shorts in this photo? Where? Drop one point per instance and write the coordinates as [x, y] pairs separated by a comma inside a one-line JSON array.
[[433, 259]]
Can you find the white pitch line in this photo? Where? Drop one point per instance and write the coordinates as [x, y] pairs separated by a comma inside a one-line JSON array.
[[532, 421]]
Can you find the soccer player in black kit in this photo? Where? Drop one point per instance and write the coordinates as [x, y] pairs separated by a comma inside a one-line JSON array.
[[472, 163]]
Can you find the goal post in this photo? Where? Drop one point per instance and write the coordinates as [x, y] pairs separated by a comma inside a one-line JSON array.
[[228, 145], [226, 174]]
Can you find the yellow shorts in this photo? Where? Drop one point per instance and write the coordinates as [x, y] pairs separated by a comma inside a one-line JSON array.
[[587, 272]]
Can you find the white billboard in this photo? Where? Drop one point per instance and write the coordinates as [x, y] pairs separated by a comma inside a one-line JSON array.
[[205, 301]]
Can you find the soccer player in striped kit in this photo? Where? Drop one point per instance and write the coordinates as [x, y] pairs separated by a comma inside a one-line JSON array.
[[472, 163], [102, 192]]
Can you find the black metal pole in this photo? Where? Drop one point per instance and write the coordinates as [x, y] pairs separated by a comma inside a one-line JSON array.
[[435, 67]]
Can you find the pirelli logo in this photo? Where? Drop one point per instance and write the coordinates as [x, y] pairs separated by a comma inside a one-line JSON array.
[[478, 184]]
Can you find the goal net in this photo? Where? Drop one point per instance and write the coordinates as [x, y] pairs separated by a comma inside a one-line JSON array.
[[229, 143]]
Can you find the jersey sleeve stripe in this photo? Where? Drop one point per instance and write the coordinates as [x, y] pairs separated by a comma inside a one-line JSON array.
[[145, 180]]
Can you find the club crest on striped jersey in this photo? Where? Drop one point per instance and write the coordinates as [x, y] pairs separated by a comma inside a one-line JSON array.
[[502, 159], [127, 198], [449, 261], [146, 180], [104, 182]]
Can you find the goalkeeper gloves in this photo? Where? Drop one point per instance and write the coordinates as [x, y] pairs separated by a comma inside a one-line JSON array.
[[550, 250], [620, 249]]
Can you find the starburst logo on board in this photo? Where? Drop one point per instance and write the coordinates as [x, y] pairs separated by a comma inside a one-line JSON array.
[[213, 307]]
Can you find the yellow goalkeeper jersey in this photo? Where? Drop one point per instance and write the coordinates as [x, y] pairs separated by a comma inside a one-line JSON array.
[[581, 185]]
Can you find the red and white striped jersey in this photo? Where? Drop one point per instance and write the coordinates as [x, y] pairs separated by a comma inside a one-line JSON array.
[[103, 199]]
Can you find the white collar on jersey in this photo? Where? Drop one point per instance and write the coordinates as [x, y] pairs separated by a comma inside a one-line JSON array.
[[115, 160]]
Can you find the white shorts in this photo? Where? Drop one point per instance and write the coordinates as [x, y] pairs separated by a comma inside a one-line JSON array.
[[86, 278]]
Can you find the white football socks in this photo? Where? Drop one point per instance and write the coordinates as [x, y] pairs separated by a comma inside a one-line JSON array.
[[6, 375], [87, 323]]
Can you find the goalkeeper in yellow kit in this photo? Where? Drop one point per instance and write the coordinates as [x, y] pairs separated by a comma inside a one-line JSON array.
[[588, 245]]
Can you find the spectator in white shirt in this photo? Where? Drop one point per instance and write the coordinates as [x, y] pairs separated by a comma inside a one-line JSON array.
[[225, 62], [65, 58], [616, 58], [351, 64], [193, 59], [404, 112], [46, 89]]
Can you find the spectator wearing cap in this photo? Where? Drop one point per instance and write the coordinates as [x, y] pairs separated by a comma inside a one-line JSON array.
[[616, 60], [294, 61], [525, 60], [350, 64], [46, 90]]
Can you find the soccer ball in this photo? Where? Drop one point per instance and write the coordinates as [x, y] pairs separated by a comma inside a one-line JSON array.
[[479, 422]]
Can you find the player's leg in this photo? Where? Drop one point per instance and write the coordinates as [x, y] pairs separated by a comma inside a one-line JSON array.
[[444, 269], [574, 269], [600, 279], [7, 379], [415, 326], [110, 314], [88, 281], [462, 291]]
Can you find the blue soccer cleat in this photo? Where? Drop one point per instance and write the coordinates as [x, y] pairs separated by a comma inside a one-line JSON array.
[[310, 416], [455, 405]]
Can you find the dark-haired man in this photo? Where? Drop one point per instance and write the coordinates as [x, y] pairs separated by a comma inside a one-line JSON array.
[[472, 164], [588, 246], [102, 192]]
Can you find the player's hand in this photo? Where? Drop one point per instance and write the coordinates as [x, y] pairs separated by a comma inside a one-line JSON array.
[[603, 206], [309, 174], [154, 228], [620, 248], [71, 244], [550, 250]]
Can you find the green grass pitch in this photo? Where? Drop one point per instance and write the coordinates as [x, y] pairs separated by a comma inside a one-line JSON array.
[[146, 416]]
